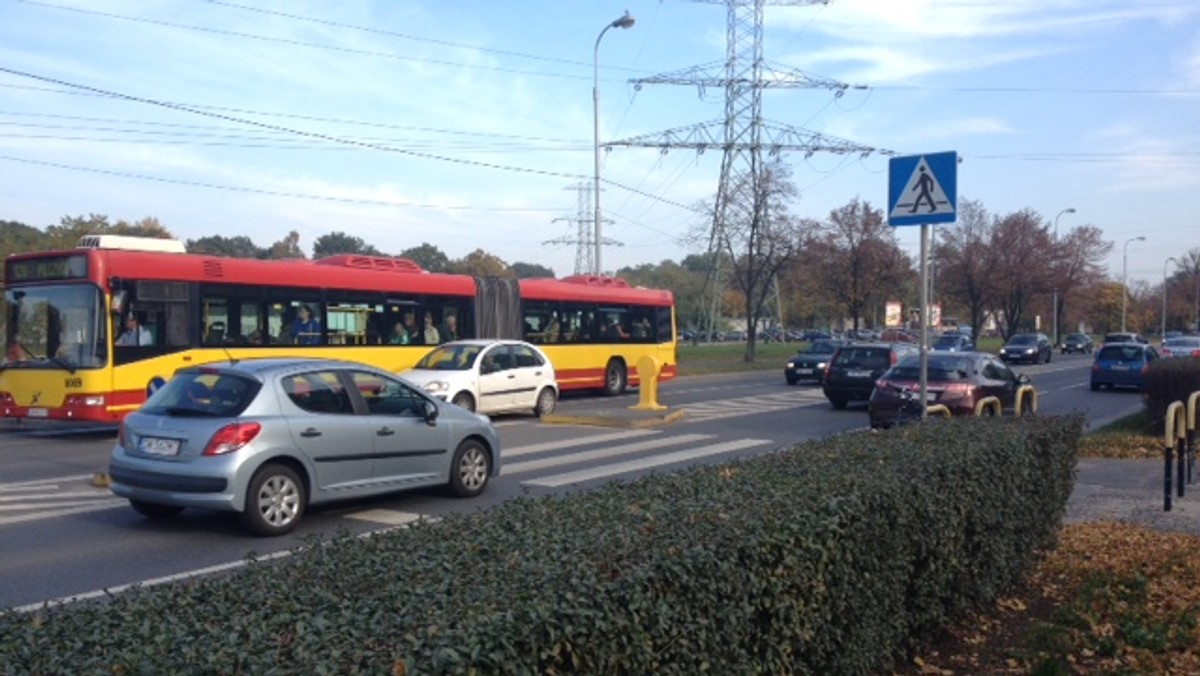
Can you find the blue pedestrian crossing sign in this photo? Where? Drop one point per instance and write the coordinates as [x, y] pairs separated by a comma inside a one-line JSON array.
[[922, 189]]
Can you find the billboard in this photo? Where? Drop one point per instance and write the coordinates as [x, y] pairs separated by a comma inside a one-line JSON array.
[[893, 314]]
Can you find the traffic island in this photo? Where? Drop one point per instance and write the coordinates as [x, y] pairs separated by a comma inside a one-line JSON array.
[[646, 413]]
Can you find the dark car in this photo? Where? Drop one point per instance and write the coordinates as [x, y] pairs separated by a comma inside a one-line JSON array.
[[957, 381], [1122, 365], [809, 363], [1078, 342], [1032, 348], [855, 367], [954, 342]]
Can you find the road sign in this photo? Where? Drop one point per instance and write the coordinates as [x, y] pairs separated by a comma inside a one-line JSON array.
[[923, 189]]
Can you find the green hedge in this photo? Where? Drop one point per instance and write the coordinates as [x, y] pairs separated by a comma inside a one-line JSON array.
[[1169, 380], [832, 557]]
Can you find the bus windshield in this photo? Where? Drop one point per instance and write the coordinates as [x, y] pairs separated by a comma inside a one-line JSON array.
[[56, 327]]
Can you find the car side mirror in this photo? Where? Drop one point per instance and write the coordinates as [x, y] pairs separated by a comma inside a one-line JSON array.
[[430, 410]]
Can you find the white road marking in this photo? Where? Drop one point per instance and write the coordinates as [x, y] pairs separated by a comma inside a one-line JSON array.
[[601, 453], [604, 471], [517, 451]]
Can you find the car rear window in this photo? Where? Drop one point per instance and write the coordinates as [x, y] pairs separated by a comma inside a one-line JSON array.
[[864, 357], [940, 369], [1120, 353], [203, 394]]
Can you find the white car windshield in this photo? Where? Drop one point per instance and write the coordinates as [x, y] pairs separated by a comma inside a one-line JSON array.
[[450, 358]]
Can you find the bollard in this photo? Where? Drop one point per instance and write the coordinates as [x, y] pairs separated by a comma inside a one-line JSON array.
[[989, 404], [1192, 402], [937, 409], [1022, 392], [648, 368], [1174, 426]]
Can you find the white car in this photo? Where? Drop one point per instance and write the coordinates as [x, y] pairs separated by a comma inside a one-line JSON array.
[[488, 376]]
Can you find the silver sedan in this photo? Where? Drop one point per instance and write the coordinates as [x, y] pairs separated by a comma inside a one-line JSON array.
[[266, 438]]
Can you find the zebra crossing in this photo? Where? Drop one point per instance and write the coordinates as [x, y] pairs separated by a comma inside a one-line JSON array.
[[587, 455], [760, 403]]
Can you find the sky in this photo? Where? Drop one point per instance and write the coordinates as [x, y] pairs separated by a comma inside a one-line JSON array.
[[469, 124]]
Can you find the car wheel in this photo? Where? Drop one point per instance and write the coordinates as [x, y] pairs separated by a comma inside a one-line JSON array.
[[154, 510], [275, 501], [545, 402], [615, 378], [469, 469], [464, 400], [839, 404], [1049, 355]]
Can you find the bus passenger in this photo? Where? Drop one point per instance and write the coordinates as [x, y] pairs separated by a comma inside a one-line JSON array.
[[306, 330], [430, 332], [450, 328], [405, 332]]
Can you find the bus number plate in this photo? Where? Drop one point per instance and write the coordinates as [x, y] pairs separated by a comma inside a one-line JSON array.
[[37, 413], [158, 446]]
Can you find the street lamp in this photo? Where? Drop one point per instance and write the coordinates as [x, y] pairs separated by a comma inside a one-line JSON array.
[[1163, 332], [1125, 277], [624, 22], [1054, 304]]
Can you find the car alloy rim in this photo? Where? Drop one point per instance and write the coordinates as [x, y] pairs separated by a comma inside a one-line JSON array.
[[278, 501], [473, 468]]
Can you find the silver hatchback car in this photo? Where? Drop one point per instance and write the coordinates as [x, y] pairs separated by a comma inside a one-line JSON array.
[[269, 437]]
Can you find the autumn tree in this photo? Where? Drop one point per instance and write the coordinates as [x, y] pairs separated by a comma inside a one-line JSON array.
[[1077, 264], [685, 281], [965, 261], [288, 247], [336, 243], [480, 263], [1023, 267], [857, 259]]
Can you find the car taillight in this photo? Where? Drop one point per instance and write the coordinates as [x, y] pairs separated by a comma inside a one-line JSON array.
[[232, 437], [882, 384]]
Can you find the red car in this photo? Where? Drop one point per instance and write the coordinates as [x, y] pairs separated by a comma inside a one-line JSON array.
[[956, 380]]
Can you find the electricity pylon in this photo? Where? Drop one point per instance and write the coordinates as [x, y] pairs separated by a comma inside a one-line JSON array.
[[743, 134], [584, 222]]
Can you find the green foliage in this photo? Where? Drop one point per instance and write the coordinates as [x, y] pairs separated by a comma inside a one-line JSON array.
[[240, 246], [336, 243], [832, 557], [1166, 381]]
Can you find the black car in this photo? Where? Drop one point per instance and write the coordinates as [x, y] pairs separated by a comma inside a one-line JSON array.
[[855, 367], [1078, 342], [1033, 348], [809, 363], [954, 342]]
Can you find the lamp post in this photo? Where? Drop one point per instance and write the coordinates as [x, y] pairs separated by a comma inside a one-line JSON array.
[[1163, 332], [1125, 277], [624, 22], [1054, 304]]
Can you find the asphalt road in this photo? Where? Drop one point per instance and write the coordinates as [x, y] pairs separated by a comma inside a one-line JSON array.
[[62, 537]]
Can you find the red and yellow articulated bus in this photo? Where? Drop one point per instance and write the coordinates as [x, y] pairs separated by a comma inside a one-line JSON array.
[[66, 359]]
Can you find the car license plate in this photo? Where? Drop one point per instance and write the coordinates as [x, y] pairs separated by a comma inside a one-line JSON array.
[[804, 372], [1120, 367], [859, 374], [37, 413], [158, 446]]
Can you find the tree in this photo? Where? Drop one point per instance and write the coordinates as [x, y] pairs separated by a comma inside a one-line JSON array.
[[341, 243], [428, 256], [965, 261], [1022, 246], [288, 247], [232, 247], [19, 238], [758, 236], [686, 283], [1078, 264], [66, 234], [857, 259], [529, 270], [480, 263]]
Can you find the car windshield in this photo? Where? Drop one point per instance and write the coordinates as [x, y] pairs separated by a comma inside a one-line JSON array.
[[57, 327], [819, 347], [941, 369], [1077, 338], [202, 393], [948, 341], [1120, 353], [1023, 339], [450, 357]]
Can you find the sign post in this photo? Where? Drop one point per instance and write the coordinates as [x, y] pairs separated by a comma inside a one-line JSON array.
[[923, 189]]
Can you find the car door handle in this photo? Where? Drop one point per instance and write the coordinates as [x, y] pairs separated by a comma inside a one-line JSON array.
[[310, 432], [511, 376], [385, 432]]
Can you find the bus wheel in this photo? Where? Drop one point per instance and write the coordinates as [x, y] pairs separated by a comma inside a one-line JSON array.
[[464, 400], [545, 402], [154, 510], [614, 377]]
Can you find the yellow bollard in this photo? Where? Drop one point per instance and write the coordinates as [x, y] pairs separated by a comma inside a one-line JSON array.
[[937, 409], [648, 369], [989, 404], [1022, 391]]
